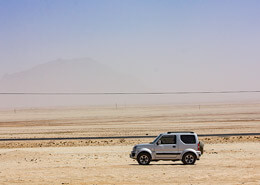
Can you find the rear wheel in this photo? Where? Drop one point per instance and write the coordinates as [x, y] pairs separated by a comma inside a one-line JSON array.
[[189, 158], [144, 158]]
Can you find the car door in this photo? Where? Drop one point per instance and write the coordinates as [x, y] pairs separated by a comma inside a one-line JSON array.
[[166, 147]]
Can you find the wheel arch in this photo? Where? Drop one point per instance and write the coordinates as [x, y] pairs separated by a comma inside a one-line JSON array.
[[190, 151], [146, 150]]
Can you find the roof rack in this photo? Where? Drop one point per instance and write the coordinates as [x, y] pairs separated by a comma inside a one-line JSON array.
[[180, 132]]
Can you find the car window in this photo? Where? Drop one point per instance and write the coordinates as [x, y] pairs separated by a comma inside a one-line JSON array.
[[168, 139], [188, 139], [154, 141]]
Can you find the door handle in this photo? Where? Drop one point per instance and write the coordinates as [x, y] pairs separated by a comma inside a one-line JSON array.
[[173, 146]]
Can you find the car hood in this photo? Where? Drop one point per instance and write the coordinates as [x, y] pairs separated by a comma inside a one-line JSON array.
[[144, 145]]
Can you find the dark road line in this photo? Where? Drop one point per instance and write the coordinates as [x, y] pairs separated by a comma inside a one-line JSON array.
[[227, 135], [128, 93], [122, 137]]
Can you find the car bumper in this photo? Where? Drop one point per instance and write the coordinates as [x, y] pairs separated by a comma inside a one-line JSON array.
[[132, 155], [198, 155]]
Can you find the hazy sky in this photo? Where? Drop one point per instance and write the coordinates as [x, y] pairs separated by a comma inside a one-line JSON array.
[[169, 45]]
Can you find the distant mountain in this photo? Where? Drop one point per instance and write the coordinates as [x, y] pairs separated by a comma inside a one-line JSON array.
[[77, 75]]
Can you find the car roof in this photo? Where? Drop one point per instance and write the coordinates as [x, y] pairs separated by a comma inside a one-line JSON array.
[[180, 132]]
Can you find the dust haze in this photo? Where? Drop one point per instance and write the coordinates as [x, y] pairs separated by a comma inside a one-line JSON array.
[[88, 75]]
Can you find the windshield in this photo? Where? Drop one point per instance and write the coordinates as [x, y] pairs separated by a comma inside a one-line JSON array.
[[156, 139]]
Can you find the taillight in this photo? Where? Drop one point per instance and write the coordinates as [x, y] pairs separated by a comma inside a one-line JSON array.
[[198, 146]]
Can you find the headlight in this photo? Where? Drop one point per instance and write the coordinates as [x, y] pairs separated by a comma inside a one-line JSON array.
[[134, 148]]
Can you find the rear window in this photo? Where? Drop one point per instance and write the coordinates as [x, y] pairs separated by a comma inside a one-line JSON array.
[[188, 139]]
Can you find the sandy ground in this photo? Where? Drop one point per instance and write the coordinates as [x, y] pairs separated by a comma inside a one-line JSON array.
[[118, 142], [223, 163], [138, 120], [227, 160]]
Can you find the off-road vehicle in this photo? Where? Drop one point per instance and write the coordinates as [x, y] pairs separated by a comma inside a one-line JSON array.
[[174, 146]]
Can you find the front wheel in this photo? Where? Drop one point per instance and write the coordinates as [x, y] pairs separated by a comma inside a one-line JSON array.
[[144, 158], [189, 158]]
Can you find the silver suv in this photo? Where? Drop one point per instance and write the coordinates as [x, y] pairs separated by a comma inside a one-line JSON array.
[[173, 146]]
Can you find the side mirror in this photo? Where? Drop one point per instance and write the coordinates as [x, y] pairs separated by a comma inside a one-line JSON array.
[[159, 142]]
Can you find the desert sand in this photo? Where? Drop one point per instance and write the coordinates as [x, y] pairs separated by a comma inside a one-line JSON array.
[[227, 160]]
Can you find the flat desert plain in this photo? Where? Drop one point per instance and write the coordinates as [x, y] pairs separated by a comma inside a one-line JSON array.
[[227, 160]]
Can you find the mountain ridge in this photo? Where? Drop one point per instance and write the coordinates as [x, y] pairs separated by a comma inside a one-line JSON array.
[[74, 75]]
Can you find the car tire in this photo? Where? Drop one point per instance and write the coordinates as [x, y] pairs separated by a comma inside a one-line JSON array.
[[189, 158], [144, 158]]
